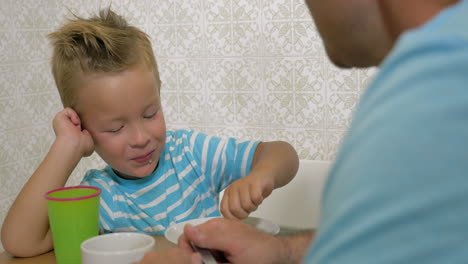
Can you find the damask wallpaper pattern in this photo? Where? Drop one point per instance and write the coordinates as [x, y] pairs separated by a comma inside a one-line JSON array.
[[244, 68]]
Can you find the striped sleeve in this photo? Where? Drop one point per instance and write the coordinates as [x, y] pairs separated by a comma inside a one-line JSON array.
[[96, 178], [222, 160]]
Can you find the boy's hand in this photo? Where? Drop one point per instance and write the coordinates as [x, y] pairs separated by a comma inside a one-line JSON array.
[[244, 195], [67, 128]]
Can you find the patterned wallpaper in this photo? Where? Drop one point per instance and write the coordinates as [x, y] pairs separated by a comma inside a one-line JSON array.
[[244, 68]]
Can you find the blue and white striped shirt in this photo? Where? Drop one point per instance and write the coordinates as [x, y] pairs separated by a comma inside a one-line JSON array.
[[193, 169]]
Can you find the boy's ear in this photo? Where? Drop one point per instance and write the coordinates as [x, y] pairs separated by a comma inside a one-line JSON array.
[[74, 108]]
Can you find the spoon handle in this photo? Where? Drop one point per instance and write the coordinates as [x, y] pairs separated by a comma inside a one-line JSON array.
[[207, 257]]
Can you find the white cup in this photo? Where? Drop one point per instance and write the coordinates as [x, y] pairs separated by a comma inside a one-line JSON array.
[[116, 248]]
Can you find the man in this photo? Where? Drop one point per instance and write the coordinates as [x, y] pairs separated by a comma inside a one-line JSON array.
[[397, 192]]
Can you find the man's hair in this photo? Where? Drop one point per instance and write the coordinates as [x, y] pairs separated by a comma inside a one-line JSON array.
[[100, 44]]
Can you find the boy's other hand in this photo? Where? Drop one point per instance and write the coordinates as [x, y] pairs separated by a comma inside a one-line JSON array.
[[68, 128], [244, 195]]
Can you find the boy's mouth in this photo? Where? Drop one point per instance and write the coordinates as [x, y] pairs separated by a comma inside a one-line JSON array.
[[145, 158]]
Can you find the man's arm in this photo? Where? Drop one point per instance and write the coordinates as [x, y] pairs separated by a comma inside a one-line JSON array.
[[242, 243]]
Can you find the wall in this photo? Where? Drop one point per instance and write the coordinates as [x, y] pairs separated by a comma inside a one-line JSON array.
[[244, 68]]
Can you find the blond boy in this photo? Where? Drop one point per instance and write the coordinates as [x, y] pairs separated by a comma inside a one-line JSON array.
[[109, 84]]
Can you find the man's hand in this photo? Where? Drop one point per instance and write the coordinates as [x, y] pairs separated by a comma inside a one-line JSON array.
[[174, 255], [240, 242]]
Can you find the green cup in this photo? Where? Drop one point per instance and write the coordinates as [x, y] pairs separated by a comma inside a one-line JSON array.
[[73, 217]]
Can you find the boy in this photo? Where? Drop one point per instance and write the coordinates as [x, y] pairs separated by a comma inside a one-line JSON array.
[[109, 84]]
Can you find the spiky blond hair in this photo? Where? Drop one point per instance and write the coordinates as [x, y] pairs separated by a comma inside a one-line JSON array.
[[101, 44]]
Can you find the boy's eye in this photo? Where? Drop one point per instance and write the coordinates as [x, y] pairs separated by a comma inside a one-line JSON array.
[[115, 130], [150, 116]]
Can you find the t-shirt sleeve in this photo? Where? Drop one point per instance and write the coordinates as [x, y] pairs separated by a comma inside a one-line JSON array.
[[97, 179], [222, 160], [398, 190]]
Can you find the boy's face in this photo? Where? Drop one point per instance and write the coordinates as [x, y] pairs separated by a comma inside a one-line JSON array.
[[122, 112]]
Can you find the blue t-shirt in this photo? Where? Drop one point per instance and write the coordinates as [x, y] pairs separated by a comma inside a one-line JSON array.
[[398, 191], [193, 169]]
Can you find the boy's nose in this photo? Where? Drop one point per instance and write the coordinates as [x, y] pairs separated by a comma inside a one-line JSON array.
[[139, 137]]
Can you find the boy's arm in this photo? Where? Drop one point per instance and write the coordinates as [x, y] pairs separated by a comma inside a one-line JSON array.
[[274, 164], [25, 231], [279, 159]]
